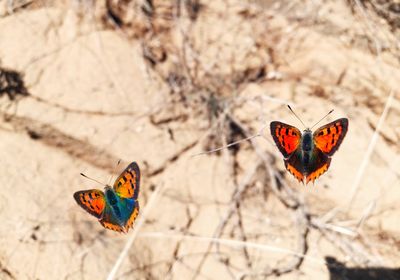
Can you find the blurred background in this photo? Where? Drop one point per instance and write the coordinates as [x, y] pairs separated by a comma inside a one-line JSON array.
[[84, 84]]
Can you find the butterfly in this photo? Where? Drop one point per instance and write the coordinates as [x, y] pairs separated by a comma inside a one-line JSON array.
[[118, 206], [308, 155]]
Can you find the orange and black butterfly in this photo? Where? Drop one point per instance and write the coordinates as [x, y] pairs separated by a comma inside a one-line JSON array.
[[118, 206], [308, 155]]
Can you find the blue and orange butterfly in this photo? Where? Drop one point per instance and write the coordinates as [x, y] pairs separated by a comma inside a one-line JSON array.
[[118, 206]]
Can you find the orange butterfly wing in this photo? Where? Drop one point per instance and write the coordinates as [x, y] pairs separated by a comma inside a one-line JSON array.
[[113, 227], [329, 137], [133, 217], [292, 165], [327, 140], [93, 201], [286, 137], [127, 184], [128, 224], [321, 166], [321, 170]]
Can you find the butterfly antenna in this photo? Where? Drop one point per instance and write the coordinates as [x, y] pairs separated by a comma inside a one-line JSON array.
[[296, 115], [322, 118], [114, 171], [233, 143], [92, 179]]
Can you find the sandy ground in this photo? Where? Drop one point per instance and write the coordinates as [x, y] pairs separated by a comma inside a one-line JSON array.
[[157, 82]]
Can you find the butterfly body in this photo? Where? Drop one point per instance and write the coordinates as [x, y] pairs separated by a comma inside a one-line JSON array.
[[307, 155], [117, 207]]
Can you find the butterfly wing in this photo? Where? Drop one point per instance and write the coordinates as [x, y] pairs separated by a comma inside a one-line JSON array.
[[329, 137], [327, 140], [120, 216], [111, 221], [127, 184], [114, 227], [93, 201], [318, 165], [294, 165], [287, 138], [133, 216]]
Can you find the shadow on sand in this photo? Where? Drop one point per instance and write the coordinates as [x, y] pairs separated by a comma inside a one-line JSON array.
[[338, 270]]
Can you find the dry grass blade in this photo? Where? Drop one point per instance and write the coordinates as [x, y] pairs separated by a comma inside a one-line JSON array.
[[229, 242], [232, 144], [370, 150], [135, 232]]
